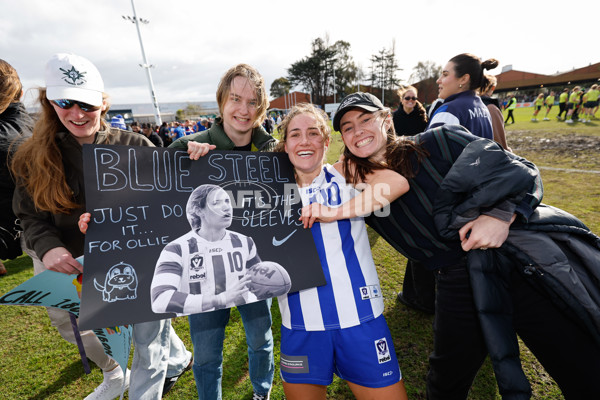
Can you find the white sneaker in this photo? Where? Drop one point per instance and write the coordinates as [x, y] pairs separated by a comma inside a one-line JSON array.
[[546, 119], [569, 121], [111, 387]]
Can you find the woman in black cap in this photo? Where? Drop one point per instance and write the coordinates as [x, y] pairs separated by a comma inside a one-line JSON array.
[[473, 216]]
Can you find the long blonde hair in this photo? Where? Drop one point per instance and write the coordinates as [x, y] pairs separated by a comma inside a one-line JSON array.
[[37, 164], [10, 86]]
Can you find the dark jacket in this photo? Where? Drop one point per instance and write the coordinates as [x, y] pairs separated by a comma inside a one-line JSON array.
[[155, 139], [261, 140], [15, 126], [410, 226], [466, 109], [44, 230], [552, 249], [409, 124]]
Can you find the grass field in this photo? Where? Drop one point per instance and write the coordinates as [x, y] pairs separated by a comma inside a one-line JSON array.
[[36, 363]]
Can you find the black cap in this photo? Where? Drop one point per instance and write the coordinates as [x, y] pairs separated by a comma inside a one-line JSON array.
[[366, 101]]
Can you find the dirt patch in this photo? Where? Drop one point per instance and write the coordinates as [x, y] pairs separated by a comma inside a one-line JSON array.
[[568, 144]]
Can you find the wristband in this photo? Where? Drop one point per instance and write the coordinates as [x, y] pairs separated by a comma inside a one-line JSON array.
[[221, 300]]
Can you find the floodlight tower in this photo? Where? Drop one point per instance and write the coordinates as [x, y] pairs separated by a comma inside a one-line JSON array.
[[145, 65]]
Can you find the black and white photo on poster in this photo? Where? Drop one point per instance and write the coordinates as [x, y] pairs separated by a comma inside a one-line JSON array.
[[184, 236]]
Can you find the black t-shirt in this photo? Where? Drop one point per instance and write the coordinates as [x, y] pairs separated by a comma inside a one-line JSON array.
[[247, 147]]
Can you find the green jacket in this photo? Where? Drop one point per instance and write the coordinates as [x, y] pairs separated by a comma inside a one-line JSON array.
[[43, 230], [261, 140]]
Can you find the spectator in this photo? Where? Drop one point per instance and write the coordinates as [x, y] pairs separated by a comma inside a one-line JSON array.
[[268, 125], [49, 199], [475, 224], [461, 77], [494, 109], [177, 131], [135, 127], [118, 122], [163, 133], [410, 118], [418, 287], [150, 134], [15, 126], [242, 99]]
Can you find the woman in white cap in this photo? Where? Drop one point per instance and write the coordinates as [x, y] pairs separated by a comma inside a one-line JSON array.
[[50, 198]]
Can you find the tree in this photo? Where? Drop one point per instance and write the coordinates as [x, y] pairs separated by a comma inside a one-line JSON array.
[[315, 73], [280, 87], [344, 69], [425, 70], [383, 71], [190, 111]]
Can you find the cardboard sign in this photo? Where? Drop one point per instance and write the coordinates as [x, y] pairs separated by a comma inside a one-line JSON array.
[[143, 229], [62, 291]]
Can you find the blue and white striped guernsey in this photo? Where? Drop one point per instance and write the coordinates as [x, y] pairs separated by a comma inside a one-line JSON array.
[[352, 294], [191, 266]]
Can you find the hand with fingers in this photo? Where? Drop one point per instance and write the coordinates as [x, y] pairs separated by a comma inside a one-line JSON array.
[[197, 150], [484, 233]]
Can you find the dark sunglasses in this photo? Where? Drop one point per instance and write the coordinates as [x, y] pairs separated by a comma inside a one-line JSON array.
[[65, 104], [410, 98]]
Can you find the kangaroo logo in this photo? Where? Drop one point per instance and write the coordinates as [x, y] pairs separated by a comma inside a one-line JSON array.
[[120, 283]]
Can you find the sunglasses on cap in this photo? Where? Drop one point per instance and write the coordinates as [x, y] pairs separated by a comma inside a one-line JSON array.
[[65, 104], [407, 98]]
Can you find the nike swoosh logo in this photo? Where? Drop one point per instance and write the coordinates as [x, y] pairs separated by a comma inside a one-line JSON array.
[[282, 241]]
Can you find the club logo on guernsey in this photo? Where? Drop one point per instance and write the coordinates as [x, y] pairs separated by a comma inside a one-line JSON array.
[[383, 351], [370, 292], [198, 268]]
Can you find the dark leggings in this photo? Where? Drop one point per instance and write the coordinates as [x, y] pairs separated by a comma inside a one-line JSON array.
[[569, 354]]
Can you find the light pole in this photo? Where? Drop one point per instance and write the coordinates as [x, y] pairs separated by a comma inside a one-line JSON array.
[[333, 60], [145, 65]]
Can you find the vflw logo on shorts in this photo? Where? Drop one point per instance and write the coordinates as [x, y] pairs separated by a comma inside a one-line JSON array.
[[383, 351]]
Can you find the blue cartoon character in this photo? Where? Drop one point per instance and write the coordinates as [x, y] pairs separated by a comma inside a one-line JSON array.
[[120, 283]]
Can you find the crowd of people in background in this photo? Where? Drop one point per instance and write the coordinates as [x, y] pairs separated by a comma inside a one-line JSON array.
[[577, 104], [168, 132]]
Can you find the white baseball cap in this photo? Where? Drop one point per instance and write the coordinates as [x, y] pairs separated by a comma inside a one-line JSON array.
[[74, 78]]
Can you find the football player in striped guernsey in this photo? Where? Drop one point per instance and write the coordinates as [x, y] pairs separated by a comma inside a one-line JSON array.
[[339, 327], [205, 269]]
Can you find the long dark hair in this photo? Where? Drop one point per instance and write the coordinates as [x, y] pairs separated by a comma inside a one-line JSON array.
[[470, 64], [398, 153]]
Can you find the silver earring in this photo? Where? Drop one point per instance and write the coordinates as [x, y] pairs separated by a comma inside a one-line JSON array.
[[460, 86]]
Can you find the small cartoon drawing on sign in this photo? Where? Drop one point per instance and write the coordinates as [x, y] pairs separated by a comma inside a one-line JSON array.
[[120, 283]]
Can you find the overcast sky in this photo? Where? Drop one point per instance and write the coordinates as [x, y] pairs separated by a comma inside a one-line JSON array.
[[192, 43]]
